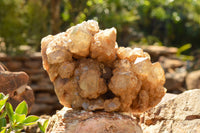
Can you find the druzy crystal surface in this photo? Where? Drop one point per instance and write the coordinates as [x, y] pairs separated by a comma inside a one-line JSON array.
[[90, 72]]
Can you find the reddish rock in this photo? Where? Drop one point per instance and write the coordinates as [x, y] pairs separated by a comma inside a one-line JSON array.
[[15, 84], [71, 121], [27, 95], [12, 81]]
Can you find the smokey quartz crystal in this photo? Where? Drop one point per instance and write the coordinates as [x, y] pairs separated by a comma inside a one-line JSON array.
[[89, 71]]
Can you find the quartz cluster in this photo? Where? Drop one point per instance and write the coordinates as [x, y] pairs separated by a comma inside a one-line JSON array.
[[89, 71]]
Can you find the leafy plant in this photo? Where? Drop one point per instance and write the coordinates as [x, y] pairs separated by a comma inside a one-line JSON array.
[[182, 49], [21, 25], [17, 118], [43, 126]]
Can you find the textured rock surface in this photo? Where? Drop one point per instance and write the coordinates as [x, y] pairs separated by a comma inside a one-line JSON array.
[[15, 84], [70, 121], [157, 51], [193, 80], [90, 72], [175, 80], [180, 114], [170, 63]]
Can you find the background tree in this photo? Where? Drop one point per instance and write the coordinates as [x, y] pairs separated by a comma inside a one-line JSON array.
[[157, 22], [55, 16], [22, 23]]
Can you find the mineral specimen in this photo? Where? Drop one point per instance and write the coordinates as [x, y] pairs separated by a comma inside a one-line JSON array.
[[90, 72], [103, 46]]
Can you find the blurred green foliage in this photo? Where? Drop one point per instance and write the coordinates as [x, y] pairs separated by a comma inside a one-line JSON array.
[[143, 22], [120, 14], [11, 24], [181, 50], [173, 22], [22, 23]]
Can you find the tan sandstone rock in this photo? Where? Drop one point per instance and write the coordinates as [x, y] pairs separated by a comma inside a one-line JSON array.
[[178, 115], [157, 51]]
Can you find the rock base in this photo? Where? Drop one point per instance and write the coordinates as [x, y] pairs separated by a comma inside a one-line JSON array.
[[179, 114], [74, 121]]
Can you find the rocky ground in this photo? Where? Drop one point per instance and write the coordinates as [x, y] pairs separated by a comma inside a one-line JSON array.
[[179, 111], [175, 114]]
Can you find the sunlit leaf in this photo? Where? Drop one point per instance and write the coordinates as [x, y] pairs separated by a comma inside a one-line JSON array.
[[184, 48], [19, 117], [18, 128], [3, 115], [3, 101], [3, 130], [22, 108], [9, 110], [2, 96], [30, 120], [2, 122], [41, 127], [45, 124]]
